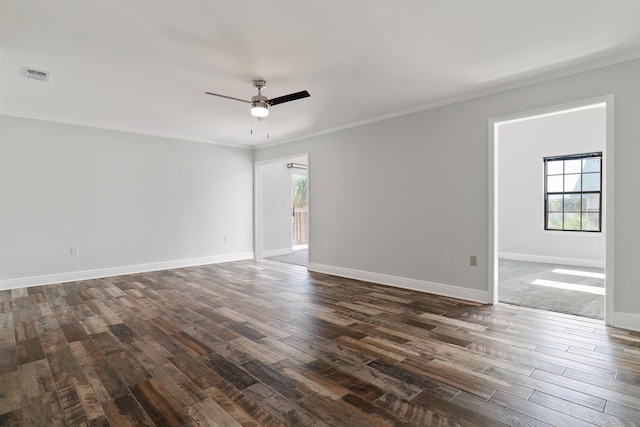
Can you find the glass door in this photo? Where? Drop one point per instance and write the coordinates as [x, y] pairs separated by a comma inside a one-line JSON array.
[[299, 211]]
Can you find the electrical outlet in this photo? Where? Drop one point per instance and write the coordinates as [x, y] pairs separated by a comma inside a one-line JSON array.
[[326, 246], [74, 250], [473, 261], [447, 257]]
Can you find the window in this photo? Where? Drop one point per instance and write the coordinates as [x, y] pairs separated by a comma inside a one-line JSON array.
[[572, 192]]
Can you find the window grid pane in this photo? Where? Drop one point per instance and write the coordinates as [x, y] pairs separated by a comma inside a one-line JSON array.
[[573, 192], [555, 167]]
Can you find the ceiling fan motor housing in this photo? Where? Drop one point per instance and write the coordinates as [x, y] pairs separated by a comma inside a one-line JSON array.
[[259, 105], [259, 98]]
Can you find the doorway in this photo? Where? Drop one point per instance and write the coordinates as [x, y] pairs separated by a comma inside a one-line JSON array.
[[281, 213], [527, 256]]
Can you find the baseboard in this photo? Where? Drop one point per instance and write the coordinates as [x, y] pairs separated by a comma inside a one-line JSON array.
[[628, 321], [404, 283], [553, 260], [23, 282], [276, 252]]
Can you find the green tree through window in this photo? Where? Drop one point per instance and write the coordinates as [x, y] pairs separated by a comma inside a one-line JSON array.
[[299, 191]]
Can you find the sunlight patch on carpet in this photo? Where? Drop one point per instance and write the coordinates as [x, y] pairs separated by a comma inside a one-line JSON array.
[[579, 273], [569, 286]]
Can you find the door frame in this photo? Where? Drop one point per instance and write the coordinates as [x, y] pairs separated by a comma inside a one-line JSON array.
[[607, 202], [257, 201]]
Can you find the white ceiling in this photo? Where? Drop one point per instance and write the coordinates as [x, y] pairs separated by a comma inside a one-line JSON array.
[[143, 66]]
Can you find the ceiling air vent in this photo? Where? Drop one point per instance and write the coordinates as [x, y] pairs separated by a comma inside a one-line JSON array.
[[32, 73]]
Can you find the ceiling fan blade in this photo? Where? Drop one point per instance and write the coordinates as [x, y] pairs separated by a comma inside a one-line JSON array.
[[228, 97], [287, 98]]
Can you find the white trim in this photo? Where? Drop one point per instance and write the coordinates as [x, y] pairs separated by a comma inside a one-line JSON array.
[[257, 209], [404, 283], [492, 250], [628, 321], [23, 282], [607, 197], [594, 263], [545, 112], [608, 213]]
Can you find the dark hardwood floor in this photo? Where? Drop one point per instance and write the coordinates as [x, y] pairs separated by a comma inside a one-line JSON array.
[[269, 344]]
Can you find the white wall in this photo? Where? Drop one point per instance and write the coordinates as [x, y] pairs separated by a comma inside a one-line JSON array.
[[276, 208], [386, 200], [391, 197], [130, 202], [521, 148]]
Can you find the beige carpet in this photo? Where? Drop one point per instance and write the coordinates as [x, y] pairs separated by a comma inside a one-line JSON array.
[[560, 288], [297, 258]]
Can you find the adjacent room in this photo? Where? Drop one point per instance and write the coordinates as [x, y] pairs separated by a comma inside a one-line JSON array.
[[552, 256], [311, 214], [282, 209]]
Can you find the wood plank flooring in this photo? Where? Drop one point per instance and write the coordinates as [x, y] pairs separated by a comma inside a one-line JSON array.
[[262, 343]]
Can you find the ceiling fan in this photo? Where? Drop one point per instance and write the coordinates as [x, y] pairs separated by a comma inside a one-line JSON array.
[[260, 104]]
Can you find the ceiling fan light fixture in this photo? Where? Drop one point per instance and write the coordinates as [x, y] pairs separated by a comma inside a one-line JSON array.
[[259, 109]]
